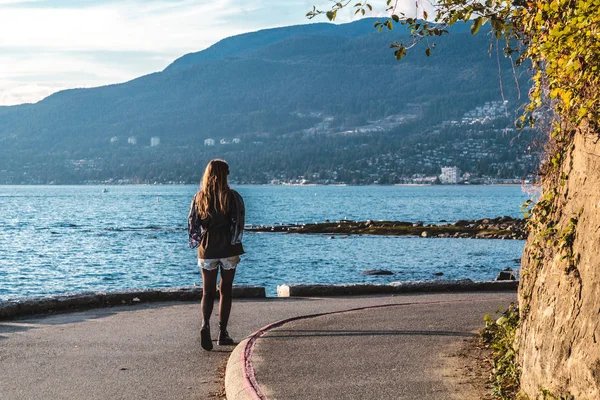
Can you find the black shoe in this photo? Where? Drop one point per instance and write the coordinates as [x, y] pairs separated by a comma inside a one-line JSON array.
[[205, 340], [224, 339]]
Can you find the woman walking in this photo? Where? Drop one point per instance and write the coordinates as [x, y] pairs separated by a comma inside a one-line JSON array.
[[215, 227]]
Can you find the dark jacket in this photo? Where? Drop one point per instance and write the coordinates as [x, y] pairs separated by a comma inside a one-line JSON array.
[[218, 235]]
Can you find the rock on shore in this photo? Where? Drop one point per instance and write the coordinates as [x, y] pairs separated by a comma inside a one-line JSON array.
[[377, 272], [487, 228]]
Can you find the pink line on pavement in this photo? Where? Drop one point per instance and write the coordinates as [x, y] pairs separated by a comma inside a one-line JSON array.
[[251, 384]]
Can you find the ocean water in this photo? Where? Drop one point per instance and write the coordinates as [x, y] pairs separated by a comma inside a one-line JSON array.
[[63, 239]]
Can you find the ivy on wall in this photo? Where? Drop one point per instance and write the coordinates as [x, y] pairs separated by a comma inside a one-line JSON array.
[[560, 41]]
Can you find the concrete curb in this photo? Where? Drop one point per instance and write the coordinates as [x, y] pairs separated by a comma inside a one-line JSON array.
[[18, 307], [240, 380], [466, 285], [236, 387]]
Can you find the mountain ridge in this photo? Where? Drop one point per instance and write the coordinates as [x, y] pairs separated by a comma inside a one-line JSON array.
[[235, 45], [289, 85]]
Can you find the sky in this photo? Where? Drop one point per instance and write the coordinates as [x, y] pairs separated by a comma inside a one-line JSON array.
[[50, 45]]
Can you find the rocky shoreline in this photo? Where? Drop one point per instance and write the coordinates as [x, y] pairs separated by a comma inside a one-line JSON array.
[[486, 228]]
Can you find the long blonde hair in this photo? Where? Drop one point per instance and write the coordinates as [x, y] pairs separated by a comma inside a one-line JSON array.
[[214, 190]]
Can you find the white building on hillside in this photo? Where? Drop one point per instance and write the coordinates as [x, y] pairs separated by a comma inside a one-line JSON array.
[[209, 142], [450, 175], [236, 140], [132, 140], [154, 141]]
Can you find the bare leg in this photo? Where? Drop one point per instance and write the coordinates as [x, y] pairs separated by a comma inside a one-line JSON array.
[[225, 288], [209, 289]]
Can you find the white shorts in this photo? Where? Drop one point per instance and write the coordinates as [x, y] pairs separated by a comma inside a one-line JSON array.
[[210, 264]]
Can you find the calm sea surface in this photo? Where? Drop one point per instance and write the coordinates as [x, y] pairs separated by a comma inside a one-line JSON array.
[[59, 239]]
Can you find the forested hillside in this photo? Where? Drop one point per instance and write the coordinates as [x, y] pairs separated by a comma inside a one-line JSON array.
[[304, 100]]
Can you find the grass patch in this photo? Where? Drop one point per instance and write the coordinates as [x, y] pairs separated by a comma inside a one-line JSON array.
[[500, 335]]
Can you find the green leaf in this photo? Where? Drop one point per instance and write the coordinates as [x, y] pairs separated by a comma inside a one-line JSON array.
[[401, 52], [396, 18], [477, 24], [428, 52], [497, 24]]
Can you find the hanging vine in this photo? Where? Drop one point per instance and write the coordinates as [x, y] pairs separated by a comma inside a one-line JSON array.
[[559, 40]]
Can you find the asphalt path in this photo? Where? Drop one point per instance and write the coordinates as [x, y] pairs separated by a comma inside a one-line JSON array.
[[395, 352], [152, 351]]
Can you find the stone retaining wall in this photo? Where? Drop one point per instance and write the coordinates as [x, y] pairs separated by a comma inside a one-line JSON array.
[[302, 290], [69, 302]]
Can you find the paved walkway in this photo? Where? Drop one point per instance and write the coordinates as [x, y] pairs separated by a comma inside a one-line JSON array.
[[391, 352], [152, 351]]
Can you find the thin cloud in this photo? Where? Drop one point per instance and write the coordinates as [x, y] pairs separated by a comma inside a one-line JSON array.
[[17, 2], [57, 44], [12, 93]]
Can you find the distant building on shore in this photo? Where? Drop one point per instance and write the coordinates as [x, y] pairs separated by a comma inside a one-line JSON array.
[[114, 139], [209, 142], [236, 140], [154, 141], [224, 141], [132, 140], [450, 175]]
